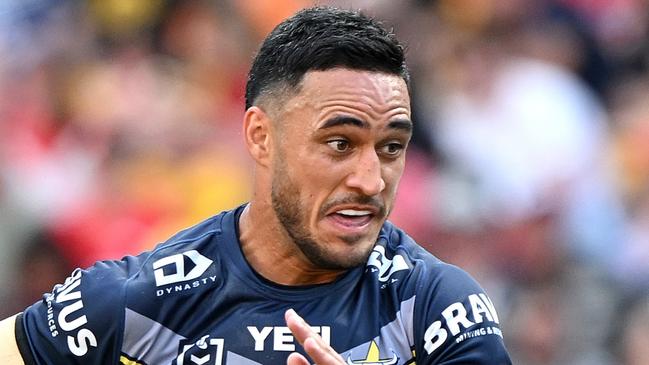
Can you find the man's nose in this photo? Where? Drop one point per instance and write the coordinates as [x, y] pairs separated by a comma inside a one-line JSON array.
[[366, 176]]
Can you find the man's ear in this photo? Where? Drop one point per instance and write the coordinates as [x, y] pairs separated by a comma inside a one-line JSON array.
[[256, 131]]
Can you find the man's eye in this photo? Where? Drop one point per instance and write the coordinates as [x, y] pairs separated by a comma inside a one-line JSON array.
[[392, 149], [339, 145]]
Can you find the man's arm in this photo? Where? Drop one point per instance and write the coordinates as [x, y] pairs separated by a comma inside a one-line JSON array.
[[9, 353], [455, 322]]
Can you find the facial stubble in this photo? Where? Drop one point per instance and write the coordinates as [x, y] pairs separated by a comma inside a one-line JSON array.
[[285, 197]]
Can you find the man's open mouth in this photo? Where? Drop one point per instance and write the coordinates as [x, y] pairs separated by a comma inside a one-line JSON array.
[[352, 217]]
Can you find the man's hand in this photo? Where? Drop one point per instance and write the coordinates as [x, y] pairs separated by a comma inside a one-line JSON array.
[[313, 344]]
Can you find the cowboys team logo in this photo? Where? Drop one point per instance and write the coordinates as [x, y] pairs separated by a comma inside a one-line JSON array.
[[373, 357], [205, 351]]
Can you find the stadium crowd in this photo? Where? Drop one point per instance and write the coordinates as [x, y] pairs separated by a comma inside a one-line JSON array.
[[120, 124]]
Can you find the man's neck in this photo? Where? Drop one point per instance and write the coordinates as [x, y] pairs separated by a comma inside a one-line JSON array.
[[271, 252]]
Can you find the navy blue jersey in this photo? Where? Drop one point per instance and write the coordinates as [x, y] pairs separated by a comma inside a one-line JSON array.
[[195, 300]]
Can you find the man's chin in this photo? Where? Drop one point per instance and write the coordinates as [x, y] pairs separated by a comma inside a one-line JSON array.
[[353, 240], [367, 238], [343, 253], [347, 261], [358, 249]]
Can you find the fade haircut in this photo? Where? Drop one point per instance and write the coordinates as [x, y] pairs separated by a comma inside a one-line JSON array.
[[319, 39]]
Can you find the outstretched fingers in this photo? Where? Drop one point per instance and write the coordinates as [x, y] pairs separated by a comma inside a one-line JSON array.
[[296, 359], [313, 344]]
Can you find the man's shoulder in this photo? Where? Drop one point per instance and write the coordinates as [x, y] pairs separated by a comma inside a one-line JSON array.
[[393, 241], [425, 270], [196, 236], [451, 314], [188, 254]]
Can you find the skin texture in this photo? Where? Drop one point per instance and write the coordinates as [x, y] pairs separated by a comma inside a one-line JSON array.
[[9, 353], [337, 144]]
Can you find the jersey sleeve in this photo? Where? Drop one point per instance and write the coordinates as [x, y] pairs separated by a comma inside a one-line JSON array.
[[455, 321], [80, 321]]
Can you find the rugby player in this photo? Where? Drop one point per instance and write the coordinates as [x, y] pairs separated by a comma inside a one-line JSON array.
[[309, 270]]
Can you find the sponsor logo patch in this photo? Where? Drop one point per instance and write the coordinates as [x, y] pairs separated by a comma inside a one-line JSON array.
[[181, 272], [281, 337], [458, 317], [205, 351], [71, 319], [172, 269]]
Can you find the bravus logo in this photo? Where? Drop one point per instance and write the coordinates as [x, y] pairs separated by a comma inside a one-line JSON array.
[[458, 319], [71, 318]]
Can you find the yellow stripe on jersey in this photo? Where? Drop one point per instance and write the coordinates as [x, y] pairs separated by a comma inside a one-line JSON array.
[[123, 360]]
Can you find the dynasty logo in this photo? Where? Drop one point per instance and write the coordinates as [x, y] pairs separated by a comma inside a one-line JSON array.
[[171, 269], [181, 272]]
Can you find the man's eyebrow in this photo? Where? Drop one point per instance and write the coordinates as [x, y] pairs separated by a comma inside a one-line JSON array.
[[344, 120], [402, 124]]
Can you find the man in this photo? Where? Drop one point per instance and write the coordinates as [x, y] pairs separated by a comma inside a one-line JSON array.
[[327, 124]]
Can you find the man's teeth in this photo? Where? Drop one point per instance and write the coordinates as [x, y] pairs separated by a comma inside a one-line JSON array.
[[353, 212]]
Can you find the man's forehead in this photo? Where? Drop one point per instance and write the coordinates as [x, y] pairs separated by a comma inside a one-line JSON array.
[[369, 88], [316, 81]]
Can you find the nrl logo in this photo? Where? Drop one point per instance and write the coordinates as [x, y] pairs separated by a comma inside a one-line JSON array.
[[205, 351], [373, 357]]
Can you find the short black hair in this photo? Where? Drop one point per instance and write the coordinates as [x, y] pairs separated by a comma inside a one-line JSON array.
[[322, 38]]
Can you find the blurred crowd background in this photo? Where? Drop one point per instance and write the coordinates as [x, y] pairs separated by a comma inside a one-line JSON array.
[[120, 124]]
